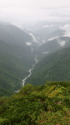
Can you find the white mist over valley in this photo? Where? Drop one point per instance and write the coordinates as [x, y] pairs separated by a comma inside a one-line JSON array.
[[34, 62]]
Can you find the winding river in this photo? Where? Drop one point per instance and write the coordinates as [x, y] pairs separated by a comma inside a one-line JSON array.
[[30, 71]]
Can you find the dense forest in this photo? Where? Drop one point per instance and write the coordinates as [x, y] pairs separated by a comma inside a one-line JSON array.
[[53, 67], [16, 58]]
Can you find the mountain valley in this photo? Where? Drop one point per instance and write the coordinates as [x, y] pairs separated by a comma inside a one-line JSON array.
[[34, 75]]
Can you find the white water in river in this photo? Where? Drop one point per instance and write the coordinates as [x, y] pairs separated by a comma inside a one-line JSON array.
[[30, 72]]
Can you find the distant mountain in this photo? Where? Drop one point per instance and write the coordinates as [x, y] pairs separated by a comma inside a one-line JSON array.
[[54, 67], [16, 57], [18, 49], [13, 35], [51, 37], [46, 30], [54, 44]]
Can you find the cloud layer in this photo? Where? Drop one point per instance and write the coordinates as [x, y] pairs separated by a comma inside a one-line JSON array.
[[20, 12]]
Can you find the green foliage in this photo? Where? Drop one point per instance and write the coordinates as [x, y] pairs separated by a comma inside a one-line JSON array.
[[15, 61], [48, 104], [4, 121], [16, 58], [54, 67]]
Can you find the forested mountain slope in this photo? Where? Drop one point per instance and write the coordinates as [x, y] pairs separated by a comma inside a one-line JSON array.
[[16, 58], [55, 67], [14, 65], [11, 34], [54, 44]]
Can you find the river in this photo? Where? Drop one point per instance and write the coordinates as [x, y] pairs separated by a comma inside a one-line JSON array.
[[30, 73]]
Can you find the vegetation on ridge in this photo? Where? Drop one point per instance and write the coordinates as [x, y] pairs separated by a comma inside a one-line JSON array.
[[48, 104]]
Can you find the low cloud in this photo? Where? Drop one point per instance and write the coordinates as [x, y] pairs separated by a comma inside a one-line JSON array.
[[62, 43], [66, 28], [47, 26], [28, 43], [25, 12]]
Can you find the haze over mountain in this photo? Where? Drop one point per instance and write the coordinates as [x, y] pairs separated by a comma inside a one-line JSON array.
[[16, 57], [18, 49], [34, 62], [27, 13], [51, 36]]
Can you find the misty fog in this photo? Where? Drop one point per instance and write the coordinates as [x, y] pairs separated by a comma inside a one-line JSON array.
[[27, 13]]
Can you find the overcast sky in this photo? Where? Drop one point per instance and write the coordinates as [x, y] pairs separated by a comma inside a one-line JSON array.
[[28, 11], [33, 3]]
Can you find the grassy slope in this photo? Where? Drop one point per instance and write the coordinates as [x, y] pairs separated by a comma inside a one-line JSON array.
[[55, 67], [48, 104]]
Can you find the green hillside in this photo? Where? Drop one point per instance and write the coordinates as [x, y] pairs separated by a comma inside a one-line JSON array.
[[15, 62], [55, 67], [16, 58], [11, 34], [48, 104]]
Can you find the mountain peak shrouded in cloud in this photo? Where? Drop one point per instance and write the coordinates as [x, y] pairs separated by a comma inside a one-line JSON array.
[[21, 12]]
